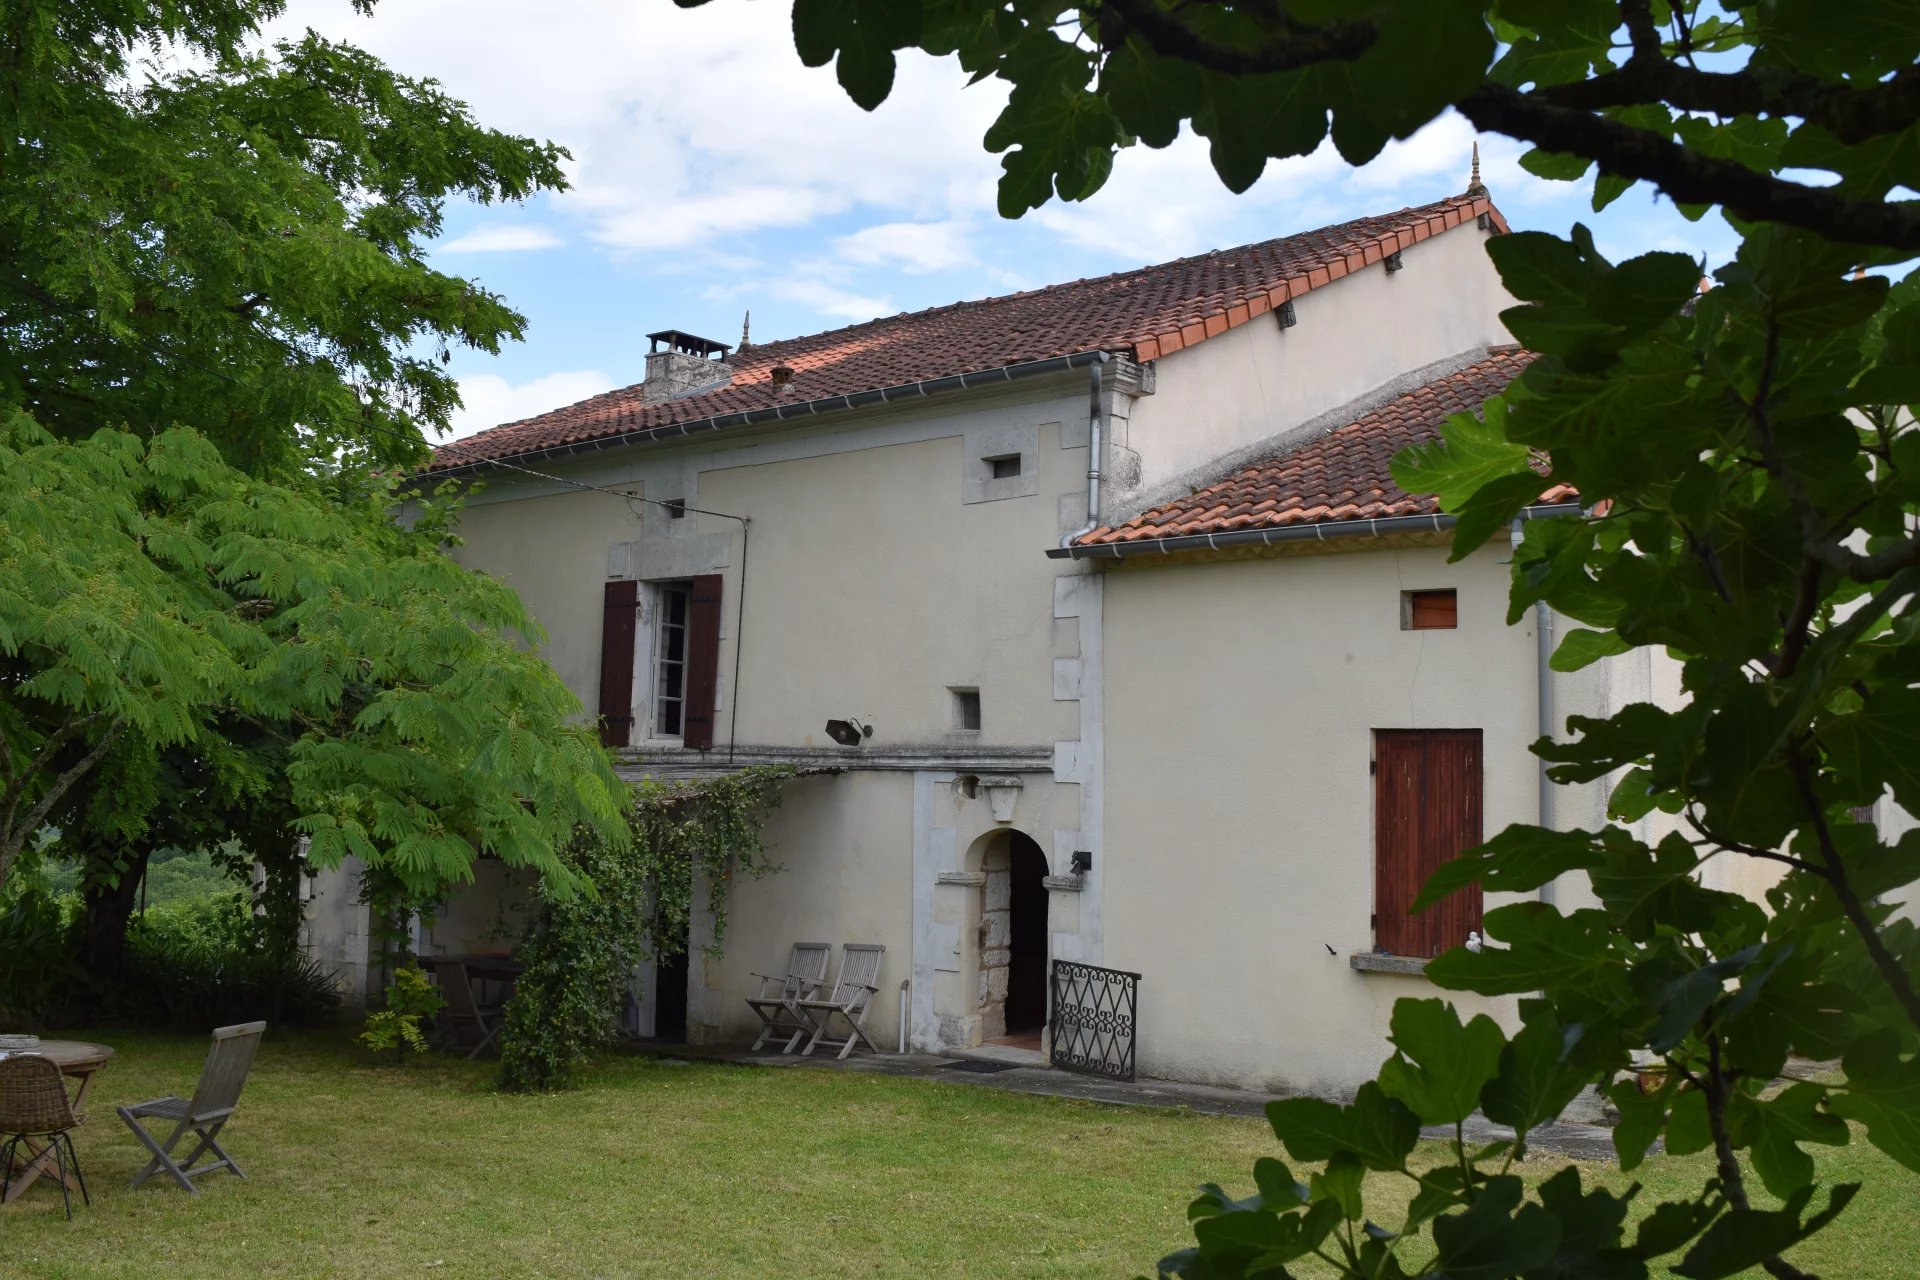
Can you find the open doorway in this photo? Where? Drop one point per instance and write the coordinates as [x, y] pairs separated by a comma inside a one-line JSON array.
[[670, 1000], [1013, 942], [1027, 940]]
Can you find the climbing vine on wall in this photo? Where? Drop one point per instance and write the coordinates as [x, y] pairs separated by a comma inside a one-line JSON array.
[[580, 956]]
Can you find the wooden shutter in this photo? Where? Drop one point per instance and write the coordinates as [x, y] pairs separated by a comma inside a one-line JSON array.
[[617, 622], [703, 660], [1427, 794], [1433, 610]]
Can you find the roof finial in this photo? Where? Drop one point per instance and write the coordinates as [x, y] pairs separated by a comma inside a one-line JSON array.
[[746, 323], [1475, 187]]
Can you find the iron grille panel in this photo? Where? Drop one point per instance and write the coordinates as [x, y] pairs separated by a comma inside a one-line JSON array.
[[1095, 1016]]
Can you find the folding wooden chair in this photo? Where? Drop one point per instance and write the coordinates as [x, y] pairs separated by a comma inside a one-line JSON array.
[[34, 1104], [456, 987], [774, 1006], [228, 1061], [853, 993]]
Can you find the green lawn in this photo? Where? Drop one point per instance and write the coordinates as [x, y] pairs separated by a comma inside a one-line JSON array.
[[663, 1169]]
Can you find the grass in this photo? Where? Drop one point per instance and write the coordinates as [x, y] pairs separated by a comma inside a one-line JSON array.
[[664, 1169]]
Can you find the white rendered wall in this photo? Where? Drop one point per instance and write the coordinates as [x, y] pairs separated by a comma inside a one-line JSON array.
[[1241, 697], [1352, 336]]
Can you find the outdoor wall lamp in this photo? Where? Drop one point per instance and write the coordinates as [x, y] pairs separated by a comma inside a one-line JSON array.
[[848, 732], [1082, 861]]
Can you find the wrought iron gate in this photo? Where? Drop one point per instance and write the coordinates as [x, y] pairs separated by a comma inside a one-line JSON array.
[[1094, 1016]]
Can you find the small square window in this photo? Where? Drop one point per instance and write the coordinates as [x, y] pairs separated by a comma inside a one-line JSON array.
[[966, 709], [676, 508], [1004, 467], [1429, 610]]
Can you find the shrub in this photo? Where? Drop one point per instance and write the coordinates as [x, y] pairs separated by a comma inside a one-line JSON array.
[[38, 974], [579, 960], [206, 963], [410, 998]]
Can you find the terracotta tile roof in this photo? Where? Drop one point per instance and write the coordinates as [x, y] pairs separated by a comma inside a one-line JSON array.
[[1342, 475], [1145, 313]]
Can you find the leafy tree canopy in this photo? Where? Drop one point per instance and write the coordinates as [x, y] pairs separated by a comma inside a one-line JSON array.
[[219, 342], [1746, 457], [232, 239], [148, 585]]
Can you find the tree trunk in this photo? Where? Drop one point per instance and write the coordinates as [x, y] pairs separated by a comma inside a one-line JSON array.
[[107, 909]]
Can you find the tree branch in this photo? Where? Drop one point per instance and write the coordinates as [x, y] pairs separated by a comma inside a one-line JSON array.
[[1714, 1086], [1300, 47], [14, 837], [72, 728], [1835, 874], [1852, 115], [1690, 177]]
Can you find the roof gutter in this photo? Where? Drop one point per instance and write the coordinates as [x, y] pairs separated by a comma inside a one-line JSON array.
[[798, 409], [1329, 531]]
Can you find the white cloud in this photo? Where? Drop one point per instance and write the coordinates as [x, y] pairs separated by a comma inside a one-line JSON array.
[[913, 247], [488, 400], [820, 296], [687, 126], [501, 239]]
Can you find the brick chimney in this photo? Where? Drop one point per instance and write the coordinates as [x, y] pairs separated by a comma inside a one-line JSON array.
[[679, 364]]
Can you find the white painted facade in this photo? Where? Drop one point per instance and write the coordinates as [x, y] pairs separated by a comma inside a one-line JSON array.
[[1199, 731]]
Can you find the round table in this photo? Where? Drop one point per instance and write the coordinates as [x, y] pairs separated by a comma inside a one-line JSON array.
[[78, 1059]]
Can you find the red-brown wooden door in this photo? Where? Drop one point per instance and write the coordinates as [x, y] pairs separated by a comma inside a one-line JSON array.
[[1426, 803]]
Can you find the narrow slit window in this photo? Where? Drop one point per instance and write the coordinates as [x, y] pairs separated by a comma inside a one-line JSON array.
[[1430, 610], [966, 709], [670, 658], [1004, 467]]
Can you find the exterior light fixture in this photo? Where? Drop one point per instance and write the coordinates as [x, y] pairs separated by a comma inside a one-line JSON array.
[[848, 732], [1082, 861], [1393, 263]]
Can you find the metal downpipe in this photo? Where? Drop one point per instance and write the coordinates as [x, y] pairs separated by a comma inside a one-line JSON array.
[[1096, 449], [1543, 684]]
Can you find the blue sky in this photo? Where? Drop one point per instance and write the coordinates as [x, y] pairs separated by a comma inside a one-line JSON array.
[[713, 173]]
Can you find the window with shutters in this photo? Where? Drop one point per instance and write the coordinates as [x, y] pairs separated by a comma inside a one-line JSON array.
[[671, 606], [660, 662], [619, 621], [1427, 810]]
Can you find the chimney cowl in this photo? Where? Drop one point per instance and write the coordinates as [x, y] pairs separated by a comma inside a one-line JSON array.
[[781, 374], [683, 364]]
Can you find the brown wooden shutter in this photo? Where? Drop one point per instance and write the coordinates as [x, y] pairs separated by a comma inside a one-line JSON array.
[[703, 660], [1427, 796], [1433, 610], [617, 622]]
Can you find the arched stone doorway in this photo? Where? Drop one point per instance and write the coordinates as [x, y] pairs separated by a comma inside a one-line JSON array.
[[1013, 940]]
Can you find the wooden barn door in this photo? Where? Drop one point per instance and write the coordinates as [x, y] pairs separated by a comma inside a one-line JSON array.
[[1427, 796]]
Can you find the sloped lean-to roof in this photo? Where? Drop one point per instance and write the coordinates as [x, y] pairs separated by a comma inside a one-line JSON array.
[[1145, 313], [1341, 480]]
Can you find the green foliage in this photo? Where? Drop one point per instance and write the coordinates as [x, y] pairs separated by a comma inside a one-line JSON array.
[[637, 899], [213, 962], [191, 963], [410, 1000], [148, 582], [220, 344], [1747, 457], [37, 962], [1632, 89], [262, 278]]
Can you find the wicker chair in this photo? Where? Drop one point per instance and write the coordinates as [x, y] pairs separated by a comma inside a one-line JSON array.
[[34, 1104]]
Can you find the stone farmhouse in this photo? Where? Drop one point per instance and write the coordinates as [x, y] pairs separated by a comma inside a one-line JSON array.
[[1098, 619]]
